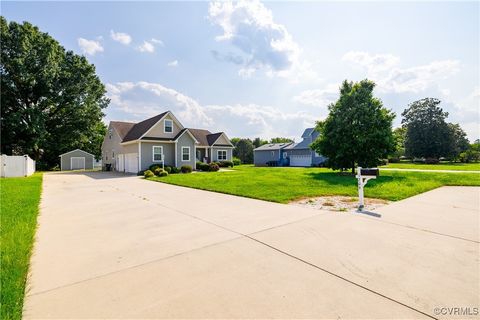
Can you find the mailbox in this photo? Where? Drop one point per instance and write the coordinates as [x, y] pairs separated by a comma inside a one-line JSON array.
[[369, 172]]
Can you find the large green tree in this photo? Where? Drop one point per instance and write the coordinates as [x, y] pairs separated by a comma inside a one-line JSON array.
[[358, 129], [428, 135], [244, 150], [280, 140], [52, 99], [460, 141]]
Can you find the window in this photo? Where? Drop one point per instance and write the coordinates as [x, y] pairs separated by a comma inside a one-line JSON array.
[[222, 154], [168, 128], [273, 154], [185, 153], [284, 155], [157, 153], [110, 134]]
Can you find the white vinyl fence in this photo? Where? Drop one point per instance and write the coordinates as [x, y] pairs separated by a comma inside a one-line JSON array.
[[16, 166]]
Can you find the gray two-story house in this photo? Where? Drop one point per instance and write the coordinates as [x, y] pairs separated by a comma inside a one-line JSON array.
[[162, 139], [290, 153]]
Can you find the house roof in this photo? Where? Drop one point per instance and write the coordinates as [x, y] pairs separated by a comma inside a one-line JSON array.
[[205, 137], [273, 146], [76, 150], [139, 129], [307, 132], [200, 135], [122, 127]]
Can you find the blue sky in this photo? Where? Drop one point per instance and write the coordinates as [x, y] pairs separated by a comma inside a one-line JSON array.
[[268, 68]]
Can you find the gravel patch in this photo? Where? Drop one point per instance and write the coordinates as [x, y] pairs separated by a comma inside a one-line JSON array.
[[339, 203]]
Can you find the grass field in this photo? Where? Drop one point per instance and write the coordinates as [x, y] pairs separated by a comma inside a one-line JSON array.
[[287, 184], [19, 209], [440, 166]]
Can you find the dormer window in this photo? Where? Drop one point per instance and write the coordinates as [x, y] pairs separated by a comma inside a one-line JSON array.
[[168, 126]]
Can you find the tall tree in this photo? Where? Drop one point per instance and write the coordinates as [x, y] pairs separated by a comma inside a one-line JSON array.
[[52, 100], [358, 129], [244, 150], [399, 138], [460, 142], [257, 142], [428, 134], [280, 140]]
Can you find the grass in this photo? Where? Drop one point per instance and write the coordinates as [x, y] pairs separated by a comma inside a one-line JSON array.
[[286, 184], [18, 216], [440, 166]]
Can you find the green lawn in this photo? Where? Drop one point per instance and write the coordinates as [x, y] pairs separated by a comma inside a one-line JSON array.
[[286, 184], [440, 166], [19, 208]]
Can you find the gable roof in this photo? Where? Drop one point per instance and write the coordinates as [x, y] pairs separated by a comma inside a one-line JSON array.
[[122, 127], [307, 132], [273, 146], [139, 129], [76, 150], [200, 135], [211, 138]]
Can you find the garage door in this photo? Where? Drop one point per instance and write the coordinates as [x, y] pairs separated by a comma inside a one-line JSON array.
[[300, 160], [131, 162], [119, 163], [77, 163]]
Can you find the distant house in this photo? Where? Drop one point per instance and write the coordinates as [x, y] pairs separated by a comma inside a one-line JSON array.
[[162, 139], [289, 154]]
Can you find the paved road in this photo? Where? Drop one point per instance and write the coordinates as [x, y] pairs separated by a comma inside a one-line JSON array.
[[112, 246]]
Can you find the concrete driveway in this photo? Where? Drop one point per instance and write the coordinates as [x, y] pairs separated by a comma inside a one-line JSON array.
[[114, 246]]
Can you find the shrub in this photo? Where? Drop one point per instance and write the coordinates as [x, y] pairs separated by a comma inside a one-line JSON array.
[[203, 167], [148, 174], [163, 173], [157, 171], [393, 160], [153, 167], [168, 169], [236, 161], [431, 161], [213, 167], [186, 169], [226, 164], [175, 170], [198, 164], [382, 162], [140, 173]]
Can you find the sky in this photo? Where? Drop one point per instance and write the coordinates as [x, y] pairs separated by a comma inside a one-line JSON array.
[[268, 69]]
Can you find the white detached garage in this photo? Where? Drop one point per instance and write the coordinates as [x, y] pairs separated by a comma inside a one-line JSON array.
[[76, 160]]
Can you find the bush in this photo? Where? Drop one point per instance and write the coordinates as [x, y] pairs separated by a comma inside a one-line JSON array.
[[175, 170], [431, 161], [203, 166], [382, 162], [226, 164], [236, 161], [186, 169], [198, 164], [153, 167], [168, 169], [157, 171], [163, 173], [393, 160], [148, 174], [213, 167], [140, 173]]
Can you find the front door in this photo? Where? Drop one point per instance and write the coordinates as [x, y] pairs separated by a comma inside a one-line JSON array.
[[199, 155]]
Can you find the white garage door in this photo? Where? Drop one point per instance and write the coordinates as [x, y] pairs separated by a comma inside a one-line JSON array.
[[300, 160], [119, 164], [77, 163], [131, 162]]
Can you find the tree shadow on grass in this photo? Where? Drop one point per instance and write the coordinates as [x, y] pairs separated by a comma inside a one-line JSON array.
[[336, 178]]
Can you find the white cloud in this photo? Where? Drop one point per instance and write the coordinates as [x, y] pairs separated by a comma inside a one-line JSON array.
[[139, 100], [318, 97], [146, 47], [121, 37], [173, 63], [89, 47], [249, 26], [158, 41], [384, 70]]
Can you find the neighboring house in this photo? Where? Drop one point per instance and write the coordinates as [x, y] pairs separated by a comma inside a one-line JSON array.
[[270, 153], [76, 160], [290, 154], [132, 147]]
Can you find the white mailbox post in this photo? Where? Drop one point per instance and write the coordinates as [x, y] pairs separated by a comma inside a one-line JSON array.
[[363, 175]]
